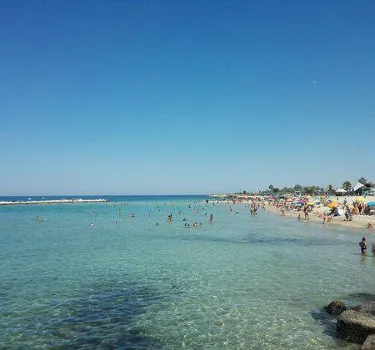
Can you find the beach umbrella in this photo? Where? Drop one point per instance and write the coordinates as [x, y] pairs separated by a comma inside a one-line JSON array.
[[360, 199], [311, 203], [371, 204], [332, 205]]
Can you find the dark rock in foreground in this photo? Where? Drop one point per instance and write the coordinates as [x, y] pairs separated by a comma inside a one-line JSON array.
[[355, 326], [369, 344]]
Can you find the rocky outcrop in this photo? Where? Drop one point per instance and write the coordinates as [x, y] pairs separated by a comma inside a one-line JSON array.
[[367, 307], [355, 326], [369, 343], [335, 307]]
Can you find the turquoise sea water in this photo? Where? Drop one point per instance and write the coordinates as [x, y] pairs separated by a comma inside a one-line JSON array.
[[243, 282]]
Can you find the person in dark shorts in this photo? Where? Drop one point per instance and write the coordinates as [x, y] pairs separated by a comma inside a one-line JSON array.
[[363, 245]]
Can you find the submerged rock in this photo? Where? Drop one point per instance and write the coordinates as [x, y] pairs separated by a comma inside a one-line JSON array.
[[335, 307], [355, 326]]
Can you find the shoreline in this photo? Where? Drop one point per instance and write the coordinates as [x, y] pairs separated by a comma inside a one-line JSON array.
[[55, 201]]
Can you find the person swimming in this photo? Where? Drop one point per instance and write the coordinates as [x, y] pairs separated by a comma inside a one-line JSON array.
[[363, 245]]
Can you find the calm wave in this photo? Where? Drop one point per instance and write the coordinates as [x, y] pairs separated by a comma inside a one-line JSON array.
[[118, 275]]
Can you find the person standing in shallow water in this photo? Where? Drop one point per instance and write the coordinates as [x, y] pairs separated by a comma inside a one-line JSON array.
[[306, 212], [363, 245]]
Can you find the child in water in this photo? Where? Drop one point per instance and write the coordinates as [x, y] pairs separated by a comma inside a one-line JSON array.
[[363, 245]]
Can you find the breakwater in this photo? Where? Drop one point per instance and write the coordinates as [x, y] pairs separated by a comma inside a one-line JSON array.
[[54, 201]]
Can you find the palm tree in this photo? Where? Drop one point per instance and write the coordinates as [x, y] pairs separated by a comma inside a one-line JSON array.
[[330, 189], [270, 187], [362, 180], [309, 190], [347, 186]]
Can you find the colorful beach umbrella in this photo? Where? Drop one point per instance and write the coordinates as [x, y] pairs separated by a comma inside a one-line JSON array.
[[332, 205], [371, 204], [311, 203], [360, 199]]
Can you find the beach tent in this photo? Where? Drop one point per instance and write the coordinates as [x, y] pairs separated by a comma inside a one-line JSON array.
[[340, 190], [357, 186], [338, 211]]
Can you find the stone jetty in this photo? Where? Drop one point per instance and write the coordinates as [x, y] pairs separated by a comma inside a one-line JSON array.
[[55, 201]]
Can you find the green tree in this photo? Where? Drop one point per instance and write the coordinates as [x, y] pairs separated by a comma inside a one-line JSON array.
[[276, 190], [309, 190], [270, 187], [298, 188], [347, 186], [330, 189], [362, 180]]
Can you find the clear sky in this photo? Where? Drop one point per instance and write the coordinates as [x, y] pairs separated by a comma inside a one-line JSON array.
[[153, 97]]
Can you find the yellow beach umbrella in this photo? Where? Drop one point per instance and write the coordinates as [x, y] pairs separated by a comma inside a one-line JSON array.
[[332, 205], [311, 203], [360, 199]]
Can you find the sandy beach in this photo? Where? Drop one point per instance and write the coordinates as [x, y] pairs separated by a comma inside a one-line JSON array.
[[358, 221]]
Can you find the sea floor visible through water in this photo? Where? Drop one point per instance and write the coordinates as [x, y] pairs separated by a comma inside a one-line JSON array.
[[91, 276]]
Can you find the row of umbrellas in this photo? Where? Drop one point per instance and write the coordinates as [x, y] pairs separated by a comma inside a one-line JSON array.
[[331, 203], [334, 204]]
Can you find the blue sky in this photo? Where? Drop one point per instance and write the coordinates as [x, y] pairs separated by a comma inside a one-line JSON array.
[[152, 97]]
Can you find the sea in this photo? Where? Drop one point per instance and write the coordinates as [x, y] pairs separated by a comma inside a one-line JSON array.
[[119, 275]]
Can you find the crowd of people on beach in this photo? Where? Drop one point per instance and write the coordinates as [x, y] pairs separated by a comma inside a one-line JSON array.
[[324, 208]]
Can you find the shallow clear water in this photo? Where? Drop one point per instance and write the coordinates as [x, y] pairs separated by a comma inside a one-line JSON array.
[[243, 282]]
